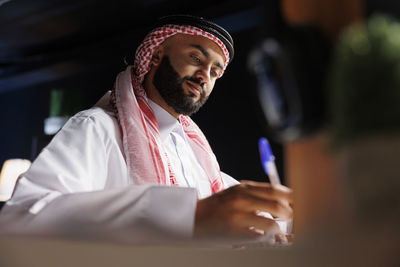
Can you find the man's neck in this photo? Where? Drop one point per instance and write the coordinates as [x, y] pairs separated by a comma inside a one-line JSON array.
[[154, 95]]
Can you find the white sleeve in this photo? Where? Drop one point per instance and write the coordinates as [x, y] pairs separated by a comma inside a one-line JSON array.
[[70, 190], [229, 180], [137, 215]]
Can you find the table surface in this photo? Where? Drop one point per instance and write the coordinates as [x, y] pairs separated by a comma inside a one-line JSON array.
[[328, 248]]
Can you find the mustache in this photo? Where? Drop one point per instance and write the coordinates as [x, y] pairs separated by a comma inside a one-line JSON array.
[[194, 80]]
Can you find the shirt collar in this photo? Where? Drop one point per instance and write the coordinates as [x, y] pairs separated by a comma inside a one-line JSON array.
[[166, 122]]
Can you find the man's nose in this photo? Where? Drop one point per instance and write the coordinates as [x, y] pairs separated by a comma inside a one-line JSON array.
[[203, 74]]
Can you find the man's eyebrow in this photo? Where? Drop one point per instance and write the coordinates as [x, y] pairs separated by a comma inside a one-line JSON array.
[[206, 54]]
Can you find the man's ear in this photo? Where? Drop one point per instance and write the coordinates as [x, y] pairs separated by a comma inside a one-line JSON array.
[[157, 55]]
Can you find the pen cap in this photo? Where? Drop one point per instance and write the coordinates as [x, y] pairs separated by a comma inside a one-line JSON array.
[[265, 150]]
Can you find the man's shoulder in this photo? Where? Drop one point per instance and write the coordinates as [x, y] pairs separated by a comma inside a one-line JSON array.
[[102, 111], [99, 116], [95, 112]]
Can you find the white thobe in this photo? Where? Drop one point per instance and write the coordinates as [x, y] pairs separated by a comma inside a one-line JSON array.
[[79, 186], [187, 170]]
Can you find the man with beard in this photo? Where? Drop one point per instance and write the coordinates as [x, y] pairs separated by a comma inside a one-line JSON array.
[[135, 167]]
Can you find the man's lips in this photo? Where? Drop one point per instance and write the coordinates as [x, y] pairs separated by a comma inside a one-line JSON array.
[[195, 88]]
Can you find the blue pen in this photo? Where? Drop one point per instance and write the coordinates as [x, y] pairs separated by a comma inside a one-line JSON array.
[[268, 161]]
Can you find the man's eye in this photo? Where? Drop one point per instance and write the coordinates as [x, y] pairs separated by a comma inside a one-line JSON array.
[[196, 59], [214, 73]]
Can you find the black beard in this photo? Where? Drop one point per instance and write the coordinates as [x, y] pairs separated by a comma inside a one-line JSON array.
[[169, 85]]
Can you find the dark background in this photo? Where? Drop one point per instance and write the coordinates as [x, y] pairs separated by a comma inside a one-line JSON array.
[[80, 46]]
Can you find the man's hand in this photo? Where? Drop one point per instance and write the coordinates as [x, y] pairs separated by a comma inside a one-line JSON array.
[[234, 211]]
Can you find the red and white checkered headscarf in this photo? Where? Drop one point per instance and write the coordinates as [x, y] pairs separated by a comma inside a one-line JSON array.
[[145, 155], [146, 49]]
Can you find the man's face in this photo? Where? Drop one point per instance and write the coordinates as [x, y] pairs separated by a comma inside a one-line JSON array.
[[187, 72]]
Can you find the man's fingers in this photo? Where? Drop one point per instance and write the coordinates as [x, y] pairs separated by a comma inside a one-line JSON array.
[[267, 191], [249, 224], [262, 223], [274, 207], [281, 238], [236, 210], [259, 197]]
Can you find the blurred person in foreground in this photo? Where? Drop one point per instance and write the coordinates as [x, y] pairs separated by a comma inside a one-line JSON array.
[[364, 124], [358, 146]]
